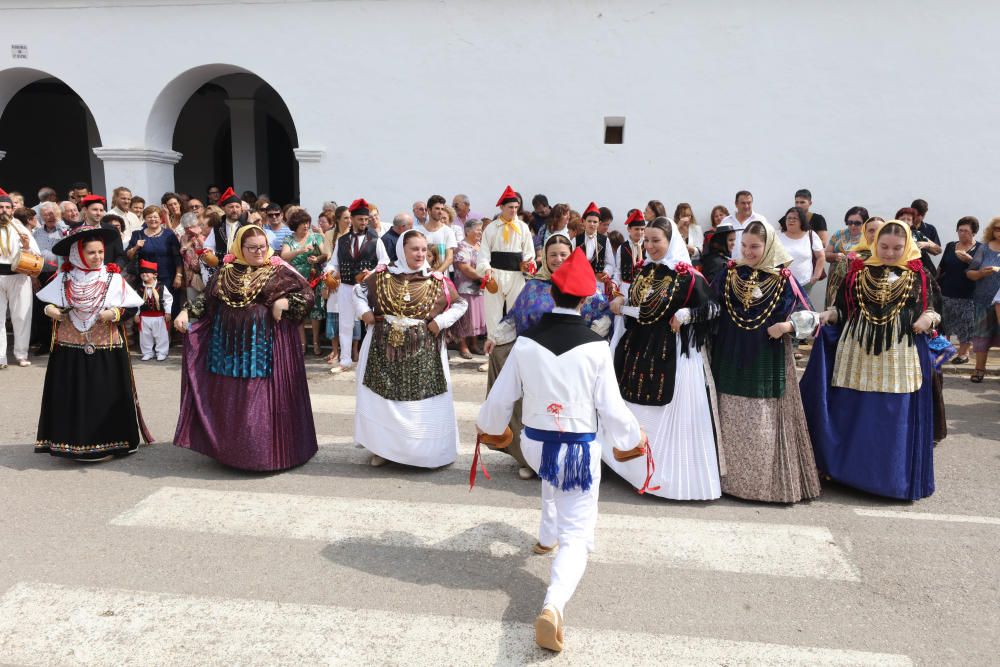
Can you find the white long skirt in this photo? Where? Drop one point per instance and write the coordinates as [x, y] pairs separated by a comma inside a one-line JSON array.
[[414, 433], [681, 438]]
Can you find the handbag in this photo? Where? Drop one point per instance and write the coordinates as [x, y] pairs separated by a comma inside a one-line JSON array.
[[822, 276]]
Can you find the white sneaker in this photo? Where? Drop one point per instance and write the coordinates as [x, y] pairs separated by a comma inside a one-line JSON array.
[[377, 461], [23, 362], [147, 357], [163, 358], [484, 368], [525, 473]]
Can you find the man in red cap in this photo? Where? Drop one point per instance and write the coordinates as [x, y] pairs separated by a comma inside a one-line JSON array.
[[565, 374], [220, 238], [596, 245], [15, 288], [506, 249], [92, 214], [354, 255]]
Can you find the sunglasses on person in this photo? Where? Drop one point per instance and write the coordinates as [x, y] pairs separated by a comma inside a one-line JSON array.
[[274, 215], [854, 223]]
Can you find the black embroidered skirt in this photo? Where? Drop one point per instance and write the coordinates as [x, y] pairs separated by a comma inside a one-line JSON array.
[[87, 407]]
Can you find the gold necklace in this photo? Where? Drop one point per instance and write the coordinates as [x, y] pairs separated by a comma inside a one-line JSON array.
[[394, 297], [238, 288], [652, 295], [876, 292], [752, 293]]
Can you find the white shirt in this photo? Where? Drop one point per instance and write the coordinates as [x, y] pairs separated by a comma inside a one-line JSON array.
[[738, 227], [636, 249], [11, 237], [443, 238], [230, 235], [581, 381], [801, 251], [590, 247], [382, 256]]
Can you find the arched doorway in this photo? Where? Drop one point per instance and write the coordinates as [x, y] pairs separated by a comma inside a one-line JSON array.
[[231, 128], [47, 134]]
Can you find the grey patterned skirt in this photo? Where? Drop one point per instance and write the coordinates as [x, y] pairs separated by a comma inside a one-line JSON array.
[[958, 318]]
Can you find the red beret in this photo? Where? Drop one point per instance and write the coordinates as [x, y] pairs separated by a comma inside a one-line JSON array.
[[575, 276]]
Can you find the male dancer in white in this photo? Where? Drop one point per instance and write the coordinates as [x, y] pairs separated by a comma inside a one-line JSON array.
[[566, 376], [505, 251]]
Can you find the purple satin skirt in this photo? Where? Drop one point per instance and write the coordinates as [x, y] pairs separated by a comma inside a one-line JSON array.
[[251, 424]]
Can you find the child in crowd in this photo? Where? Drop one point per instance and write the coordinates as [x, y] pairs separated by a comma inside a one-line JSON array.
[[153, 319]]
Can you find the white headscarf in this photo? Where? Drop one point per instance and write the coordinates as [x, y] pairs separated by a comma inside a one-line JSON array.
[[400, 265], [119, 294], [677, 251]]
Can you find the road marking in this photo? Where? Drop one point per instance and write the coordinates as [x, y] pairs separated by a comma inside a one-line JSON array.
[[927, 516], [337, 404], [43, 624], [726, 546]]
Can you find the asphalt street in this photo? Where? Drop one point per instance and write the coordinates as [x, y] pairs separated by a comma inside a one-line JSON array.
[[167, 557]]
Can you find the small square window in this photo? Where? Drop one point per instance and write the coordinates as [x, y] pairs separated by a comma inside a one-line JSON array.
[[614, 129]]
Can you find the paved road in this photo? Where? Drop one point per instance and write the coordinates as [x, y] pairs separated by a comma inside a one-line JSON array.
[[169, 558]]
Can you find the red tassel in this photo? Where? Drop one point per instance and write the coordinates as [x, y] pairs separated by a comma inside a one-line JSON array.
[[476, 464], [650, 470]]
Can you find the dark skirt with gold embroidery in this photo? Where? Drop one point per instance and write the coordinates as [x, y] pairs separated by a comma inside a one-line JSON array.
[[404, 364], [88, 411]]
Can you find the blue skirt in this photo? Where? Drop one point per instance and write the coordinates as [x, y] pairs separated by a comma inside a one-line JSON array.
[[878, 442]]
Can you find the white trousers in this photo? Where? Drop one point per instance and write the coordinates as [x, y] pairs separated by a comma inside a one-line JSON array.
[[568, 519], [15, 293], [510, 284], [153, 337], [346, 315]]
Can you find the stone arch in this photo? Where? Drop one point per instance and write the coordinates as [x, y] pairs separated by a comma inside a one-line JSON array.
[[42, 116], [209, 107]]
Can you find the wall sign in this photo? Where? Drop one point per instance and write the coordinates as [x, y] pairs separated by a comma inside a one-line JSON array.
[[19, 51]]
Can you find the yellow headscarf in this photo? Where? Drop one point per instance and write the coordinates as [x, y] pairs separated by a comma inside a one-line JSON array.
[[863, 245], [775, 255], [237, 244], [910, 249]]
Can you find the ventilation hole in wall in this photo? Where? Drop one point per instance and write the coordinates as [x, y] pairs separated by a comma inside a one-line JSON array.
[[614, 129]]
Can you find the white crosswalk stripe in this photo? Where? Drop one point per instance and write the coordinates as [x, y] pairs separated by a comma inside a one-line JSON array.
[[727, 546], [116, 627], [928, 516]]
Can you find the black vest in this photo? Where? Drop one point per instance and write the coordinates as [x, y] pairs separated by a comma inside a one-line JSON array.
[[628, 268], [147, 304], [367, 259], [221, 242], [598, 261]]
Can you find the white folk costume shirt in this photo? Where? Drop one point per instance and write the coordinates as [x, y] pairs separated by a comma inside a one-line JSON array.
[[738, 227], [119, 294], [231, 228], [638, 253], [502, 236], [10, 241], [570, 367]]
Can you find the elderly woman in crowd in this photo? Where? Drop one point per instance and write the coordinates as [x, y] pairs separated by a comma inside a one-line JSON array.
[[469, 285], [244, 397], [984, 269], [958, 314], [192, 246]]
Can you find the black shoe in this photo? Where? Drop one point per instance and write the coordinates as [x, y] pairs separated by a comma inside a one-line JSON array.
[[960, 360]]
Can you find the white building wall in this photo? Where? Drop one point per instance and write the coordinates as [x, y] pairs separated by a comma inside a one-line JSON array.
[[864, 102]]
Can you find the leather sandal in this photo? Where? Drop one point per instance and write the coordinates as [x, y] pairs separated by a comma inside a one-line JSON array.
[[977, 376]]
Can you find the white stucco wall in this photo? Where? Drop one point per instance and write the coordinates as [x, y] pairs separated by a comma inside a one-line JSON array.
[[864, 102]]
